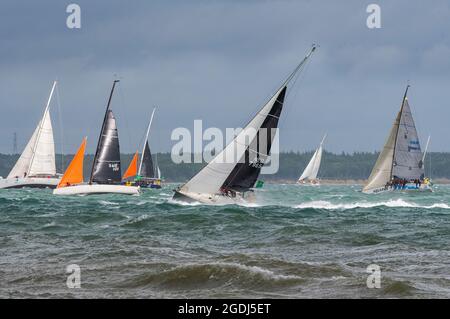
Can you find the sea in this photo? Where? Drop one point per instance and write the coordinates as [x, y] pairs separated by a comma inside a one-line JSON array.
[[293, 242]]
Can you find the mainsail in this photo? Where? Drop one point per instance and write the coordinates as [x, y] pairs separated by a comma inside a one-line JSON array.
[[401, 156], [146, 167], [38, 157], [312, 169], [106, 166], [238, 165], [408, 154]]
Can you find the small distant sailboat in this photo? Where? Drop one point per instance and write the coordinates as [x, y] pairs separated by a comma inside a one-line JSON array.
[[309, 175], [36, 166], [105, 174], [400, 165], [145, 176], [230, 177]]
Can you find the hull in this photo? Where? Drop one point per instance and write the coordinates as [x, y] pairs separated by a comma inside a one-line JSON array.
[[87, 189], [29, 182], [409, 188], [215, 199]]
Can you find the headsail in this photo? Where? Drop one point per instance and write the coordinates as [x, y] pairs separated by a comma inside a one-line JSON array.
[[106, 166], [38, 157], [132, 168], [237, 166], [312, 169], [74, 172]]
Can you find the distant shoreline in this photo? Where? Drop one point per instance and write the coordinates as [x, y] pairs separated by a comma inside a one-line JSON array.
[[443, 181]]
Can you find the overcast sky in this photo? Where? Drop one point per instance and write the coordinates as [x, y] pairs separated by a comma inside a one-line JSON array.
[[219, 61]]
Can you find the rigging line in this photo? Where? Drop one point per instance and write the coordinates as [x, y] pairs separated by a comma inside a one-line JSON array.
[[124, 106], [58, 103]]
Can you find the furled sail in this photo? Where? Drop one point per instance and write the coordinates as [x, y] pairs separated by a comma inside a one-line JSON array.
[[312, 169], [107, 164], [408, 155], [238, 165], [38, 157], [74, 172]]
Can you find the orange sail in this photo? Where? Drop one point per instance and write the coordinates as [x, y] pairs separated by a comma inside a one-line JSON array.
[[132, 169], [74, 172]]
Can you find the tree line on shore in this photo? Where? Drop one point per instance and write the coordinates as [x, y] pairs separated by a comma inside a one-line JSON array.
[[341, 166]]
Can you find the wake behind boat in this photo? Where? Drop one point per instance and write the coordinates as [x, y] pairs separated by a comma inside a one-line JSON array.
[[225, 181], [309, 175], [106, 174], [36, 167], [400, 165]]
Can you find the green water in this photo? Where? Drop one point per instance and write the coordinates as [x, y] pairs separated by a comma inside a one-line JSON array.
[[296, 242]]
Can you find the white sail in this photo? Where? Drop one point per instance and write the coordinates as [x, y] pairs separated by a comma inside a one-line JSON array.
[[210, 179], [38, 157], [381, 172], [23, 163], [43, 161], [408, 154], [312, 169]]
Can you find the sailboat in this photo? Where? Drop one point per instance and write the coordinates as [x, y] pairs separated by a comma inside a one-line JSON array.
[[105, 173], [400, 165], [230, 177], [36, 166], [145, 176], [309, 175]]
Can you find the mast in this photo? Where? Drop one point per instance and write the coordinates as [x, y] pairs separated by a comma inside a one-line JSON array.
[[323, 139], [40, 127], [398, 127], [101, 131], [146, 140]]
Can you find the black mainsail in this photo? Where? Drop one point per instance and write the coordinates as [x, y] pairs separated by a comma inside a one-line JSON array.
[[247, 170], [106, 166], [147, 169]]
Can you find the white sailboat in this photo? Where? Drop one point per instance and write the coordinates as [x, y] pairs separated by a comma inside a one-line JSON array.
[[231, 175], [400, 165], [309, 175], [36, 166], [106, 177]]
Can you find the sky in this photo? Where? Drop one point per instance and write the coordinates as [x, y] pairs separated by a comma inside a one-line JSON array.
[[219, 61]]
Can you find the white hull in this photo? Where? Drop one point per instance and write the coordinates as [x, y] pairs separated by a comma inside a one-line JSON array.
[[29, 182], [409, 188], [215, 199], [86, 189]]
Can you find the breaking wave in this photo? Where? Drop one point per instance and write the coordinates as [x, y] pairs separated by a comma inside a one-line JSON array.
[[213, 275], [390, 203]]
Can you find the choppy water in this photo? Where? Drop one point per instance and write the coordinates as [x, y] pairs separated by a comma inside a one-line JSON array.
[[296, 242]]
